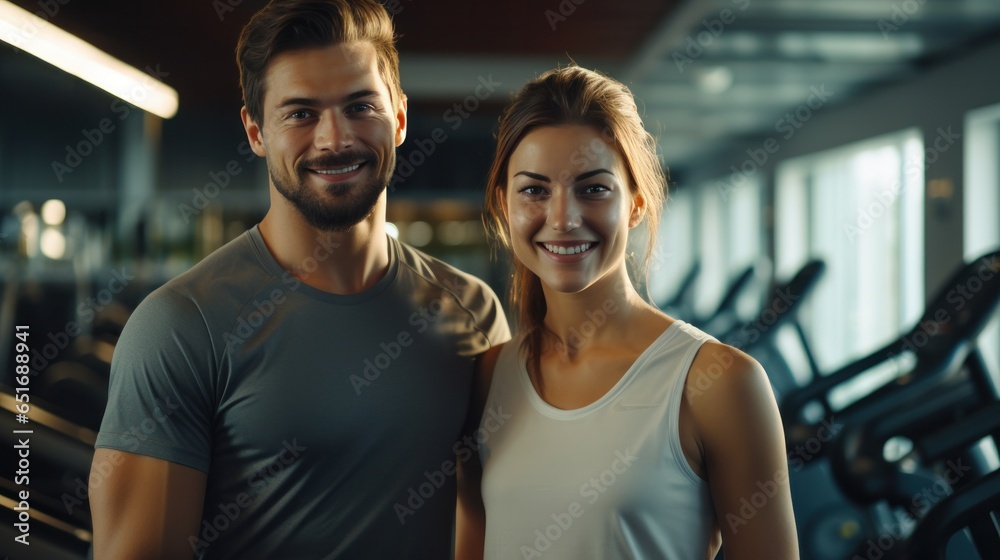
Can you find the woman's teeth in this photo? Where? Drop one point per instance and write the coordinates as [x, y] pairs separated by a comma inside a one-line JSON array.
[[560, 250]]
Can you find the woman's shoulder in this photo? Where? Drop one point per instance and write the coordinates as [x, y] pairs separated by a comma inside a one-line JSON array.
[[724, 371], [728, 391]]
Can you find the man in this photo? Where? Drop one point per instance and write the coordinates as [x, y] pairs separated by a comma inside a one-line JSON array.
[[300, 393]]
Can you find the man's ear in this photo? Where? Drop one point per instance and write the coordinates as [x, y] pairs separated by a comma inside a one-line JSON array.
[[401, 121], [638, 210], [254, 134]]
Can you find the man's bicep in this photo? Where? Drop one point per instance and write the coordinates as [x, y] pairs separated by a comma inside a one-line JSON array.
[[144, 507], [160, 395]]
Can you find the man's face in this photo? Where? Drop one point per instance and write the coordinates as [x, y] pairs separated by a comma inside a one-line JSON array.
[[329, 132]]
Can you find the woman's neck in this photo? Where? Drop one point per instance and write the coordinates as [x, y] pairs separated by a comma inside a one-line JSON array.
[[597, 316]]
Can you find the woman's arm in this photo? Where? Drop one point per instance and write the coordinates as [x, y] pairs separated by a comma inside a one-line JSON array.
[[740, 432], [470, 515]]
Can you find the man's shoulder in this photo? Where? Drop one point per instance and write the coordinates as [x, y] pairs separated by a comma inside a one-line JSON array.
[[475, 298], [436, 271], [224, 280], [229, 263]]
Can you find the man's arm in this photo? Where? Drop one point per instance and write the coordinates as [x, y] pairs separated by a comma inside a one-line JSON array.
[[144, 508], [470, 515]]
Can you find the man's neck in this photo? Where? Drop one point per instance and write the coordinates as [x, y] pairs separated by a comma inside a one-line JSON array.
[[344, 262]]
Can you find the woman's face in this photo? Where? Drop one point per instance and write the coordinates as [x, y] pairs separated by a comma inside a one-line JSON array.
[[569, 206]]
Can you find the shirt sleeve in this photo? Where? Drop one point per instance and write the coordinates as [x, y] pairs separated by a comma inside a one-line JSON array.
[[160, 400], [492, 320]]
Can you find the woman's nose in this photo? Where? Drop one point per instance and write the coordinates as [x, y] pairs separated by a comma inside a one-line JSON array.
[[563, 212]]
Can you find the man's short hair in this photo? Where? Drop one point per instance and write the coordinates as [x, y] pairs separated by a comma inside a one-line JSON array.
[[286, 25]]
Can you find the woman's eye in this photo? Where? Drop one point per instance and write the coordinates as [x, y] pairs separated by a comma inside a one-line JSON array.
[[532, 190], [595, 189]]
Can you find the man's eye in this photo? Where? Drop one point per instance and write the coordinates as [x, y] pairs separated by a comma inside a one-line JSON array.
[[360, 108], [299, 114]]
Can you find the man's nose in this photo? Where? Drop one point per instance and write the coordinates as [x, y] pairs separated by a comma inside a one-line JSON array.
[[333, 132]]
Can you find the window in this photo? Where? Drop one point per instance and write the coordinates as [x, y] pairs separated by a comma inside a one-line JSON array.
[[982, 206], [718, 226], [674, 252], [731, 237], [860, 209]]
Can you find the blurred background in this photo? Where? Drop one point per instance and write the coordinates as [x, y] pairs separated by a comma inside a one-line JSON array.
[[844, 151]]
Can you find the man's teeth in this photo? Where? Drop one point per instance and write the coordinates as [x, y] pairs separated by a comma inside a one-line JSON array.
[[338, 171], [560, 250]]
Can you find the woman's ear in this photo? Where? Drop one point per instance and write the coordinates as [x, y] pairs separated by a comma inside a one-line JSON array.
[[638, 210], [501, 198]]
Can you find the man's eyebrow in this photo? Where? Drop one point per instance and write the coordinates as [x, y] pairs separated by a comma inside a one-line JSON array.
[[298, 101], [361, 94], [579, 177], [312, 102]]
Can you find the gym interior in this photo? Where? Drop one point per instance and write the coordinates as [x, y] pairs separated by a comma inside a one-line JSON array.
[[834, 211]]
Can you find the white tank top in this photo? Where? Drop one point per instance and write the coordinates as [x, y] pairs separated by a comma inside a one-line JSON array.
[[605, 481]]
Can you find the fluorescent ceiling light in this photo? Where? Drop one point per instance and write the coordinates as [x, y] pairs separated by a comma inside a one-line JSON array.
[[28, 32], [713, 79]]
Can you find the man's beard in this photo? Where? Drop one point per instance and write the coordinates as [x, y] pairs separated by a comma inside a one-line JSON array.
[[346, 210]]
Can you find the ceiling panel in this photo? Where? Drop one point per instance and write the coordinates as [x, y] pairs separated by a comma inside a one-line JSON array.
[[708, 70]]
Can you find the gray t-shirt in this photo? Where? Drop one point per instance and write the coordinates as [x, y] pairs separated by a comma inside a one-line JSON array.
[[328, 424]]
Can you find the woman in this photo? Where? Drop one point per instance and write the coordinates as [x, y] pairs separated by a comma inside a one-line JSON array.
[[610, 430]]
